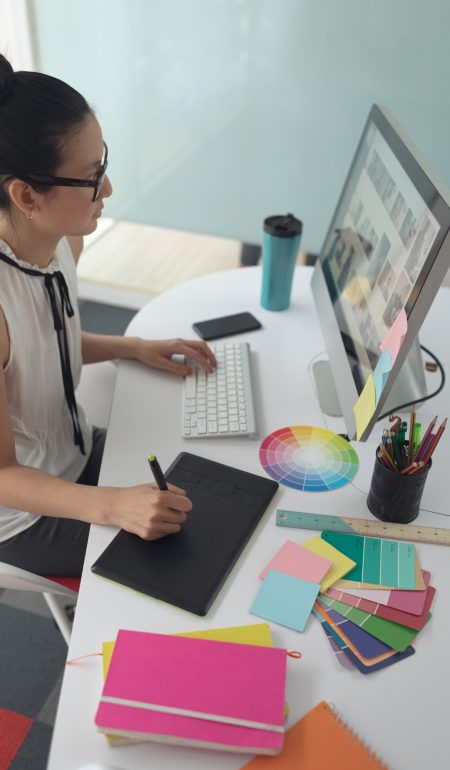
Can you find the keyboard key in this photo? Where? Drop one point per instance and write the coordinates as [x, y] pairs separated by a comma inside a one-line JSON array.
[[216, 403], [189, 386]]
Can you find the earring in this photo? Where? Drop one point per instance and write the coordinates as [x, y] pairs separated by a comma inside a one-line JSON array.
[[30, 214]]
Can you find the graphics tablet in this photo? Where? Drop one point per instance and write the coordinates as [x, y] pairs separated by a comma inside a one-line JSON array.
[[188, 569]]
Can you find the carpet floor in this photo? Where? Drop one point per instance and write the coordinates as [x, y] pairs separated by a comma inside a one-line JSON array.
[[32, 658]]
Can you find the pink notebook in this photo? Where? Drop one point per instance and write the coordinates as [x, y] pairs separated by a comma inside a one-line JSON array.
[[186, 731], [207, 685]]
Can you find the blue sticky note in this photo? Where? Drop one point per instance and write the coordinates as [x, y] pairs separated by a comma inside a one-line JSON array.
[[381, 373], [285, 599]]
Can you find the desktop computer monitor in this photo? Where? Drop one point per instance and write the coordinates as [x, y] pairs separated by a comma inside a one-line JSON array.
[[387, 250]]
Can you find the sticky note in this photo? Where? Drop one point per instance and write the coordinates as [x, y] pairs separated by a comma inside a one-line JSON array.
[[299, 562], [285, 600], [364, 407], [395, 335], [381, 373], [341, 563]]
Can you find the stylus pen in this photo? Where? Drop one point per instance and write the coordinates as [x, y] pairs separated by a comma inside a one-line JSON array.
[[157, 473]]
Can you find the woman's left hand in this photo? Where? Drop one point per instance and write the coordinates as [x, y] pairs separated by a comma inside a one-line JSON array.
[[158, 353]]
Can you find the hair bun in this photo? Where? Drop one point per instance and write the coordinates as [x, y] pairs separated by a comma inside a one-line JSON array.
[[6, 78]]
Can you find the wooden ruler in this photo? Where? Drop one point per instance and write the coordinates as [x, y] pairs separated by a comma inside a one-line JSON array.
[[373, 527]]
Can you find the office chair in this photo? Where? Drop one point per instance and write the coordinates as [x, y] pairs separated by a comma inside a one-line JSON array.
[[95, 393], [14, 578]]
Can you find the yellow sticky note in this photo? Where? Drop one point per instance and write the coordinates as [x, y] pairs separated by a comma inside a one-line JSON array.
[[341, 563], [364, 407]]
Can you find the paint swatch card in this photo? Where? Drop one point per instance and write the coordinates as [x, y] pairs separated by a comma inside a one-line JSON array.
[[389, 613], [366, 647], [336, 647], [344, 653], [379, 562], [299, 562], [341, 564], [285, 600], [394, 635], [405, 601]]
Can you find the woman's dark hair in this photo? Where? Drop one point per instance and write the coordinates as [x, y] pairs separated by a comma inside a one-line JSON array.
[[38, 114]]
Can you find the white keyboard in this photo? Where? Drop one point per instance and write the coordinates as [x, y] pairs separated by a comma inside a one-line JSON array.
[[221, 403]]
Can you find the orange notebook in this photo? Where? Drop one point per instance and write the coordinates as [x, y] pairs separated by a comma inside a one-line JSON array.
[[320, 741]]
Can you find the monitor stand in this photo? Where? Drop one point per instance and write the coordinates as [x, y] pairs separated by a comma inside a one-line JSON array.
[[409, 385]]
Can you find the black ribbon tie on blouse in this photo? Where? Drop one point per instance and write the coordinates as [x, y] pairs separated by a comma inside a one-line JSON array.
[[50, 279]]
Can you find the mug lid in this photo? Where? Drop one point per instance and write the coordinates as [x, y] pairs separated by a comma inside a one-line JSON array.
[[283, 225]]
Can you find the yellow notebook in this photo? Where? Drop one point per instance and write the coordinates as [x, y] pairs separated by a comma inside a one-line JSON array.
[[320, 741]]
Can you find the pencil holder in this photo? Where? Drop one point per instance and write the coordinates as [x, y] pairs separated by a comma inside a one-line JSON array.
[[394, 496]]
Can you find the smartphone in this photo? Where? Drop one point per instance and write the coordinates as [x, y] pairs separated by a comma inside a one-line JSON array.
[[226, 326]]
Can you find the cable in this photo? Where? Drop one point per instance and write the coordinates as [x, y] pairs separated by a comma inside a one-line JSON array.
[[425, 398]]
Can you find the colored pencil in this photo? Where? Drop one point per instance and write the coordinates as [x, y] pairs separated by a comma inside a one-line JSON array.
[[412, 422], [434, 442], [425, 436]]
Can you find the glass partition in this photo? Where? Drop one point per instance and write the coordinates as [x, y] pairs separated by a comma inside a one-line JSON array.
[[218, 113]]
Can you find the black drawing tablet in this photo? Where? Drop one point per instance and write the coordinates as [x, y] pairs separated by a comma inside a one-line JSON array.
[[188, 569]]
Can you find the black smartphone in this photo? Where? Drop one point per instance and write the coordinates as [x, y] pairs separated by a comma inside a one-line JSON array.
[[226, 326]]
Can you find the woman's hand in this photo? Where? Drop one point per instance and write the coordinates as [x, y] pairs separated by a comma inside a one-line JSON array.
[[158, 353], [147, 511]]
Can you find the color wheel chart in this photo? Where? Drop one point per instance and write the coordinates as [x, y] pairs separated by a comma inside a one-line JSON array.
[[308, 458]]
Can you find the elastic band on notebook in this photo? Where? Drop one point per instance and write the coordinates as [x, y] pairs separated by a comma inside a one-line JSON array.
[[81, 657]]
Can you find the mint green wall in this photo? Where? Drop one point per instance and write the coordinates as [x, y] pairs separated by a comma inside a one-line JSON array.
[[221, 112]]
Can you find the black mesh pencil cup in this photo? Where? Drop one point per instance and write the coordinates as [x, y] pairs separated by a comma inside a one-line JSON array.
[[394, 496]]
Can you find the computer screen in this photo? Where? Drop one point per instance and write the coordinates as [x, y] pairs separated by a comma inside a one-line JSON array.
[[385, 255]]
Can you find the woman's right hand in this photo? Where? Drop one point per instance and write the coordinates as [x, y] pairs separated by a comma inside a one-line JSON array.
[[147, 511]]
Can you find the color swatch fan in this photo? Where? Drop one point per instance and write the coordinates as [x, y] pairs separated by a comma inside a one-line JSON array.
[[308, 458]]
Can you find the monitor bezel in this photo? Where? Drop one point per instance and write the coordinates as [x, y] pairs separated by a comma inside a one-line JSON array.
[[437, 197]]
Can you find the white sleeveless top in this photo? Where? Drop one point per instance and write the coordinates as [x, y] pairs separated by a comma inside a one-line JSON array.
[[40, 418]]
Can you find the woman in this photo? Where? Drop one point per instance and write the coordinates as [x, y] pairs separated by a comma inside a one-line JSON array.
[[52, 185]]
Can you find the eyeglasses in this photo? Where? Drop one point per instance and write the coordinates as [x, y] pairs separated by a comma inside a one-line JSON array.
[[62, 181]]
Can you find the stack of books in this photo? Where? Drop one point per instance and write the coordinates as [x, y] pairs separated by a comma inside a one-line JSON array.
[[192, 691]]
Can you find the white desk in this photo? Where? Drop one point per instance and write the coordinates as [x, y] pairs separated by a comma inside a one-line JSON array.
[[401, 711]]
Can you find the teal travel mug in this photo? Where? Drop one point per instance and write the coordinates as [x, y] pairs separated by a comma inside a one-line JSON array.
[[279, 256]]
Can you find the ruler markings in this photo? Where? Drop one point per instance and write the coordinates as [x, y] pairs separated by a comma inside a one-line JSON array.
[[319, 522]]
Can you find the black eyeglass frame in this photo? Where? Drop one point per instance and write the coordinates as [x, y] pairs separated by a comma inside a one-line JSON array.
[[62, 181]]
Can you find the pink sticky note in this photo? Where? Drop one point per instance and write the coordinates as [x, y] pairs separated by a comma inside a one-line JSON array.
[[293, 559], [395, 335]]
